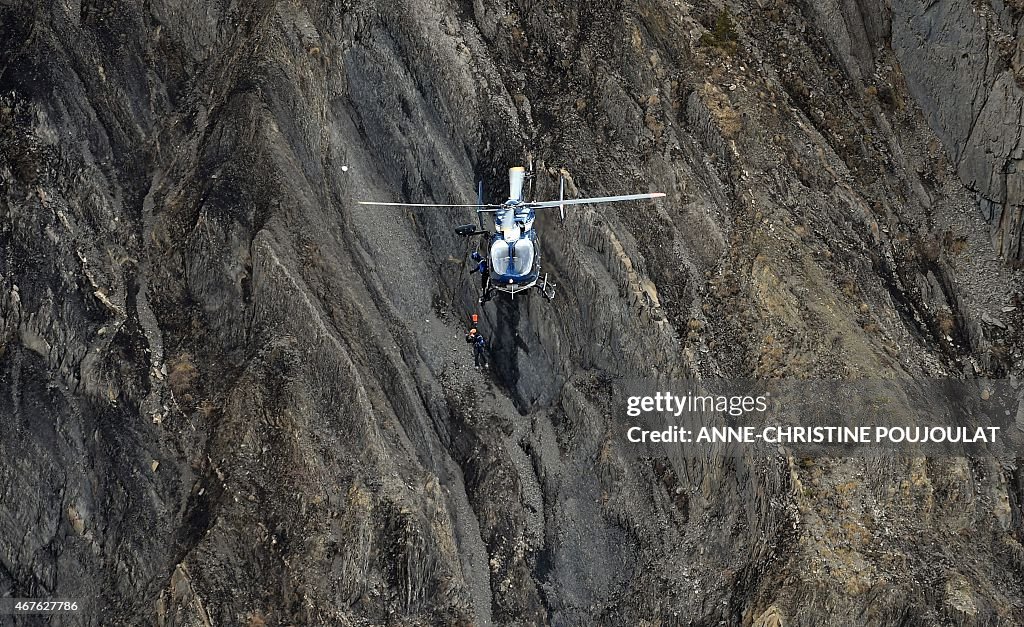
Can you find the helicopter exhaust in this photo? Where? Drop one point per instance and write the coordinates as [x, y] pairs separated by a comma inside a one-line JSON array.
[[516, 176]]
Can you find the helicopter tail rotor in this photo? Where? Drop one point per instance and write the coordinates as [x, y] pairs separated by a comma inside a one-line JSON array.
[[561, 197], [480, 201]]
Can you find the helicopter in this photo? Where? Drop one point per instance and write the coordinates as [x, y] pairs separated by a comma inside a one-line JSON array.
[[513, 247]]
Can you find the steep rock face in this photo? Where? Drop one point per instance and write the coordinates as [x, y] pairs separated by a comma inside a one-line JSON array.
[[964, 64], [231, 395]]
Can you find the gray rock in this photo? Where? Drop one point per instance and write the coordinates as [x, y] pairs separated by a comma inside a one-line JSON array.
[[961, 61], [179, 239]]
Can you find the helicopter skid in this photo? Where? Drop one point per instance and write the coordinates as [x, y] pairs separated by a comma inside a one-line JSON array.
[[516, 288], [546, 287]]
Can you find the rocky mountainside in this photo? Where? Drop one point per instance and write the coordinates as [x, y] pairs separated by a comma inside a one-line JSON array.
[[231, 396]]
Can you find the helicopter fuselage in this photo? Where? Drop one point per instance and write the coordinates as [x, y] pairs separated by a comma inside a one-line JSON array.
[[514, 248]]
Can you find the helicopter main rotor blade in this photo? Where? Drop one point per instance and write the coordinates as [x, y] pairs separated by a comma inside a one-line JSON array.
[[420, 204], [587, 201]]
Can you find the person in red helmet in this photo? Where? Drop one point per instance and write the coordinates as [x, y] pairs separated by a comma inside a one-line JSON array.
[[479, 348]]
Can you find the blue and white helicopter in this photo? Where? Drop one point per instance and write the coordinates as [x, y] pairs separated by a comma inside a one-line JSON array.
[[514, 246]]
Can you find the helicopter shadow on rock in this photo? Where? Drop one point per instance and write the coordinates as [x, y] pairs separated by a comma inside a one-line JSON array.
[[506, 344]]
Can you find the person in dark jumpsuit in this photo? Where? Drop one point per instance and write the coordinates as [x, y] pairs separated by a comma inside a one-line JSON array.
[[485, 276], [481, 267], [479, 348]]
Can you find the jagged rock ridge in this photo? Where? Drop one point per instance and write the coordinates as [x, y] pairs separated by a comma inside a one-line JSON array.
[[230, 396]]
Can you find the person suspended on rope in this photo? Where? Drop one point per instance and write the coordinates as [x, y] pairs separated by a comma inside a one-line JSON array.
[[480, 352], [479, 347], [488, 293], [481, 267]]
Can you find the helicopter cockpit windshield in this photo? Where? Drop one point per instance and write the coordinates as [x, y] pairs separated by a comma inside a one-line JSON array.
[[504, 262], [523, 261]]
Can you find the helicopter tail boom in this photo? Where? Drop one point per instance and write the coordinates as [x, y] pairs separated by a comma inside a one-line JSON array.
[[516, 176]]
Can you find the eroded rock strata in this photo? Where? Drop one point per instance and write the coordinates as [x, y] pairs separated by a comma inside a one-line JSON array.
[[229, 395]]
